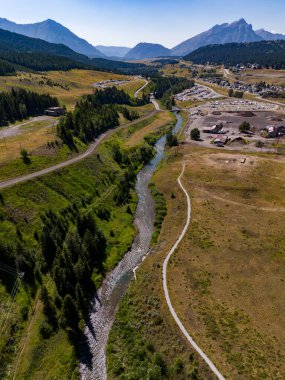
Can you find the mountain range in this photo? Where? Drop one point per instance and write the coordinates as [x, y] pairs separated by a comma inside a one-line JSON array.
[[51, 31], [238, 31]]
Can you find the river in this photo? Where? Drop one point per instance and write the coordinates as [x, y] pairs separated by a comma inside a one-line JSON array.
[[93, 360]]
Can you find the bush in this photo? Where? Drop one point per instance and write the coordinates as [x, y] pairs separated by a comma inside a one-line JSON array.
[[178, 365], [244, 127], [46, 330], [195, 134], [24, 312], [259, 144], [25, 157]]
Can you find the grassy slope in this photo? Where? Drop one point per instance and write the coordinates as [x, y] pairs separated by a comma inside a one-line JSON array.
[[92, 181], [31, 136], [68, 86], [232, 282], [225, 280], [35, 137]]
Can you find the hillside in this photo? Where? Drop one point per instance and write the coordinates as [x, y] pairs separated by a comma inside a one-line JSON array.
[[264, 53], [21, 52], [238, 31], [53, 32], [145, 50]]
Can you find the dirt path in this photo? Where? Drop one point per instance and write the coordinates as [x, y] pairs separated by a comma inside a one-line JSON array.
[[88, 152], [140, 89], [62, 165], [226, 200], [16, 129], [165, 288]]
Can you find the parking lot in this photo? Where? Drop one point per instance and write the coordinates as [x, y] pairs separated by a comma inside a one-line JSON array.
[[198, 92], [241, 105], [230, 136], [111, 82]]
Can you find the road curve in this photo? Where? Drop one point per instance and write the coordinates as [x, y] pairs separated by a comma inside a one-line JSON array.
[[90, 150], [141, 88], [62, 165], [165, 288]]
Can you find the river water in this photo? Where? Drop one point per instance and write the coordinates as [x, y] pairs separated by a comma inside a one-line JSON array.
[[93, 360]]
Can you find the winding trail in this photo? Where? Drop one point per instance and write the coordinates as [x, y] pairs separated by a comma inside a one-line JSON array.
[[92, 147], [165, 288], [27, 177], [235, 203], [136, 94]]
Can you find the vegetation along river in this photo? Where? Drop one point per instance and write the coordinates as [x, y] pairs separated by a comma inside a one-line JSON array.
[[93, 360]]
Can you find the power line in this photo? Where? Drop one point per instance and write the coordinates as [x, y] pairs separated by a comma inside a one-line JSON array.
[[17, 284]]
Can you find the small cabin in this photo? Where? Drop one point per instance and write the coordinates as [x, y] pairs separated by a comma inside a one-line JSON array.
[[55, 111]]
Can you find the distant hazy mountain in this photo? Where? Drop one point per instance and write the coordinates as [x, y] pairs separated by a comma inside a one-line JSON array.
[[145, 50], [268, 36], [53, 32], [113, 51], [238, 31]]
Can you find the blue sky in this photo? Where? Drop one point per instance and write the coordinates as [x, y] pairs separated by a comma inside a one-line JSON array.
[[127, 22]]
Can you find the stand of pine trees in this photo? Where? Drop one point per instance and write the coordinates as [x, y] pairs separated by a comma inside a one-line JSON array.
[[166, 87], [95, 114], [19, 104]]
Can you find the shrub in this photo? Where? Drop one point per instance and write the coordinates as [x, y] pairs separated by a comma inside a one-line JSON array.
[[24, 312], [178, 365], [25, 157], [244, 127], [195, 134], [46, 329], [259, 144]]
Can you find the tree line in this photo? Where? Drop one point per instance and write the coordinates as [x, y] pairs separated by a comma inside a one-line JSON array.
[[95, 114], [165, 87], [70, 247], [18, 104], [263, 53]]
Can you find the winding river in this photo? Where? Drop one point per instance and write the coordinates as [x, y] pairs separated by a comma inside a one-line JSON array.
[[93, 359]]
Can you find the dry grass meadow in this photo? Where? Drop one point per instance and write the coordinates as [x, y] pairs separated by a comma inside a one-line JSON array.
[[226, 279]]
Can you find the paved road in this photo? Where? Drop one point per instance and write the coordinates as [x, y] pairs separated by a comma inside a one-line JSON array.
[[165, 288]]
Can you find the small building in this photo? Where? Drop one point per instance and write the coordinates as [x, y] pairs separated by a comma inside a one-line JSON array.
[[275, 131], [55, 111], [220, 141], [214, 129]]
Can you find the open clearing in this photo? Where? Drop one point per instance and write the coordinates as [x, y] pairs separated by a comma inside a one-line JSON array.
[[28, 135], [230, 267], [275, 77], [146, 127], [226, 280]]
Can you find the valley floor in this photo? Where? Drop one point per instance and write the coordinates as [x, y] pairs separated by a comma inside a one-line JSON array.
[[226, 279]]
